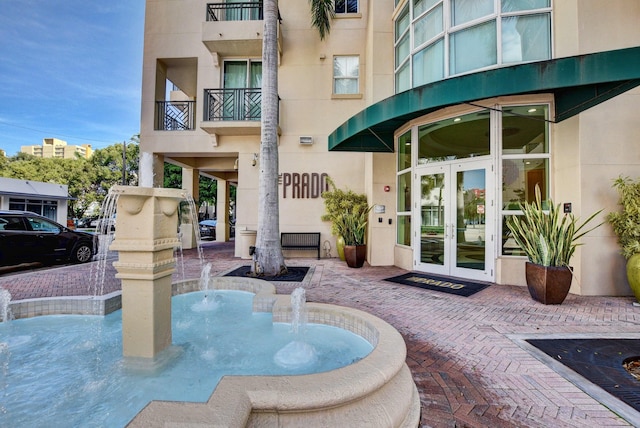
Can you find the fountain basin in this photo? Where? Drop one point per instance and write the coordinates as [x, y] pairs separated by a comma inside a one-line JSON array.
[[375, 391]]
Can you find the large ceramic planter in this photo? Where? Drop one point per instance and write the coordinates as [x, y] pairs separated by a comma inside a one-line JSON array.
[[355, 255], [548, 284], [340, 247], [633, 274]]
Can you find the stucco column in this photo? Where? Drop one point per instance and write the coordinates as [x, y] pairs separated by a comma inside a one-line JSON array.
[[222, 211], [146, 235], [190, 183]]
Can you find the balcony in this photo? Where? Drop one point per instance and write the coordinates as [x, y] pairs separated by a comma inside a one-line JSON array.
[[249, 11], [175, 116], [235, 29], [232, 111]]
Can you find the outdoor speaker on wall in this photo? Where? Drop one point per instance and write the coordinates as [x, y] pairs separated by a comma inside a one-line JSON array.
[[306, 140]]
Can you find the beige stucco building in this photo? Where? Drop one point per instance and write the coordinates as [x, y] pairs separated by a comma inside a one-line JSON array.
[[55, 148], [445, 114]]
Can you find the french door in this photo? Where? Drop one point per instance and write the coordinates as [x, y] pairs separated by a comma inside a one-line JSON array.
[[455, 235]]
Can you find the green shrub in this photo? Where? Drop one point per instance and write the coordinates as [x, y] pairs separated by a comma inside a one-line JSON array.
[[626, 223]]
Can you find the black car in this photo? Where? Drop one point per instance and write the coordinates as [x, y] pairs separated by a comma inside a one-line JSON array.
[[29, 237]]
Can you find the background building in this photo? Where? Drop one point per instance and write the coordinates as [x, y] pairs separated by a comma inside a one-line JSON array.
[[55, 148], [47, 199], [445, 114]]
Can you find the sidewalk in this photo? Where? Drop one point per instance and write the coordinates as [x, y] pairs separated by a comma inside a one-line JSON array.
[[466, 354]]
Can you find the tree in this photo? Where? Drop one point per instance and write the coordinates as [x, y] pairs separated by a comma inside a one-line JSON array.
[[269, 258], [322, 12]]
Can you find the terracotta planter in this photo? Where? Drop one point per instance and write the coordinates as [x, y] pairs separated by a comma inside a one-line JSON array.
[[355, 255], [548, 284], [633, 274]]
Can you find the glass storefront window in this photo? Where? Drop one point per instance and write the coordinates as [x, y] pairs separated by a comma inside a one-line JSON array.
[[404, 192], [519, 179], [420, 6], [427, 27], [460, 137], [403, 78], [526, 38], [404, 230], [428, 64], [519, 5], [473, 48], [524, 130], [404, 151], [469, 35], [468, 10]]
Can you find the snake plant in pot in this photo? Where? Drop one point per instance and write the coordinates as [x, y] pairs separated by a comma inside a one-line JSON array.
[[548, 238], [355, 226]]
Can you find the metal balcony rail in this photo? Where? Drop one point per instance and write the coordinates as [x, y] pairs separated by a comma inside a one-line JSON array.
[[248, 11], [175, 116], [232, 104]]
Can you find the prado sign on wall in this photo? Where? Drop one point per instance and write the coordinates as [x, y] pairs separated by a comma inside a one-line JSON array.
[[306, 185]]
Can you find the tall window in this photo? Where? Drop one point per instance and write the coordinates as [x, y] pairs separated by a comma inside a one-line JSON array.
[[243, 95], [346, 6], [525, 162], [346, 72], [436, 39], [403, 203]]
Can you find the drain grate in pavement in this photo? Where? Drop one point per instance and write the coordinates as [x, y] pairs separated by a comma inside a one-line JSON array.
[[600, 361]]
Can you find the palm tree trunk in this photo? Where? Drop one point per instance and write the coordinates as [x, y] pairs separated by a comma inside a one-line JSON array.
[[268, 256]]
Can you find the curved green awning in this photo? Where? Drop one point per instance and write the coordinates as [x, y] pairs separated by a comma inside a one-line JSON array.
[[578, 83]]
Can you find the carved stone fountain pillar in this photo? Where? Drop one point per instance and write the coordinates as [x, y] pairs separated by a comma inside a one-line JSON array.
[[146, 235]]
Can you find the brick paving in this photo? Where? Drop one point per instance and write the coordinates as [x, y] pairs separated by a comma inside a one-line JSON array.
[[469, 370]]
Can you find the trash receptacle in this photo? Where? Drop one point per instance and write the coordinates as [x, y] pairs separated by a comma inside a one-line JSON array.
[[247, 239]]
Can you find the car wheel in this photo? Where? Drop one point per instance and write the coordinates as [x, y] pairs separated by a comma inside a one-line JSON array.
[[82, 253]]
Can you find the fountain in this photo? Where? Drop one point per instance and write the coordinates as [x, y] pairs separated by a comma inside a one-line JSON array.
[[5, 310], [377, 390]]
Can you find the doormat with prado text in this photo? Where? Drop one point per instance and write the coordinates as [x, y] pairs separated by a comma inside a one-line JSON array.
[[446, 284]]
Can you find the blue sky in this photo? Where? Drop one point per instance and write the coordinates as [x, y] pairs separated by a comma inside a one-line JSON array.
[[70, 69]]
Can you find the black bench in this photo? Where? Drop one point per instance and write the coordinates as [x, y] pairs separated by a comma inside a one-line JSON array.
[[300, 241]]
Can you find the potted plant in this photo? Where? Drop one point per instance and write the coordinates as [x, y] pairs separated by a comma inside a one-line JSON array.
[[336, 202], [355, 227], [549, 240], [626, 226]]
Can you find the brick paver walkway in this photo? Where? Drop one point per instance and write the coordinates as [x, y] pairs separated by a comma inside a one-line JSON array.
[[469, 370]]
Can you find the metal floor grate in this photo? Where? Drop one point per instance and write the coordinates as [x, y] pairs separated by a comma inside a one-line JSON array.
[[600, 361]]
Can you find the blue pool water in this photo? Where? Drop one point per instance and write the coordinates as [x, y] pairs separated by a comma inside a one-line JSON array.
[[68, 370]]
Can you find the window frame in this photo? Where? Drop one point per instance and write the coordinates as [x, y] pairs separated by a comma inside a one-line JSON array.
[[334, 79], [346, 8]]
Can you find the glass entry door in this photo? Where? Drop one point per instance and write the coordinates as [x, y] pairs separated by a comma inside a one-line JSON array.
[[456, 220]]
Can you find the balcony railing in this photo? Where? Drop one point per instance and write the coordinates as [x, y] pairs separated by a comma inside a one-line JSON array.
[[175, 116], [248, 11], [232, 104]]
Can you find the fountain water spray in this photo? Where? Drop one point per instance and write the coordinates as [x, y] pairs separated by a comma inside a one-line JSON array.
[[5, 311], [297, 353]]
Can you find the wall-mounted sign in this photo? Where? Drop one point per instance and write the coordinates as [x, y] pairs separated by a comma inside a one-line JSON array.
[[304, 185]]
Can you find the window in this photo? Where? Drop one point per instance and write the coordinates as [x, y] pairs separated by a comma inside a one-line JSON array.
[[437, 39], [346, 72], [346, 6], [48, 209], [242, 90], [403, 202], [525, 162]]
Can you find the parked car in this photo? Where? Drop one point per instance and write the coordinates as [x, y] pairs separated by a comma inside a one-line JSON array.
[[29, 237], [208, 229]]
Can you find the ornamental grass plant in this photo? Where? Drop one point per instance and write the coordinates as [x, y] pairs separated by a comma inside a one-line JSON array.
[[547, 238]]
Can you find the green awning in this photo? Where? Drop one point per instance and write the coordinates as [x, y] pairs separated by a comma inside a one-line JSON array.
[[577, 82]]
